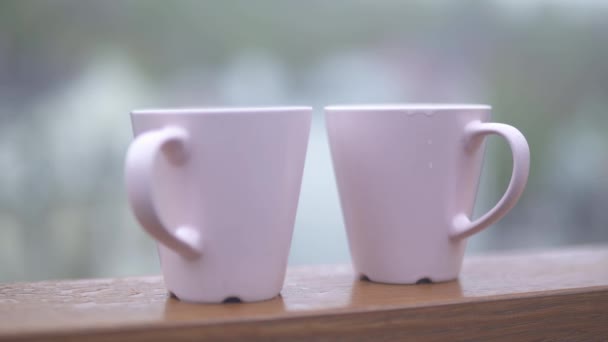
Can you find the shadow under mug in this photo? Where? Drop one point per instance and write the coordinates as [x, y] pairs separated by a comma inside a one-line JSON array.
[[218, 189], [407, 177]]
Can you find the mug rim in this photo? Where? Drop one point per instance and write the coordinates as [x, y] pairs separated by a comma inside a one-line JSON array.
[[408, 107], [220, 110]]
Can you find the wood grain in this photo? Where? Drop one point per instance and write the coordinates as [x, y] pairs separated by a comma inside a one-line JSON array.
[[550, 295]]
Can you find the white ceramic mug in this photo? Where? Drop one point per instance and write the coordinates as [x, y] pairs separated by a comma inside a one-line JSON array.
[[407, 177], [218, 189]]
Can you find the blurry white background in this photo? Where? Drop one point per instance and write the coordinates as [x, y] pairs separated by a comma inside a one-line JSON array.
[[71, 70]]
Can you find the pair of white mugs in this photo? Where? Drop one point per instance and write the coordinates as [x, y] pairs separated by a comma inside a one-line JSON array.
[[218, 189]]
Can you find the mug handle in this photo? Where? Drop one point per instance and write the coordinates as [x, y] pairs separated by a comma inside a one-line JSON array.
[[462, 227], [139, 172]]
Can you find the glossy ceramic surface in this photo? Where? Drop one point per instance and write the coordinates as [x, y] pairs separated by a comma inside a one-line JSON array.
[[407, 177], [218, 189]]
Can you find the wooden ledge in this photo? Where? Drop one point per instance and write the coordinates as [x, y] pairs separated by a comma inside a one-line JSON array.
[[561, 294]]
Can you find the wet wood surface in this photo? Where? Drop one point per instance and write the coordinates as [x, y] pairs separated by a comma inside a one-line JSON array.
[[552, 295]]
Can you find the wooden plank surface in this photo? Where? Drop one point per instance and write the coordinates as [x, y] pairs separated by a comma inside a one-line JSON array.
[[561, 294]]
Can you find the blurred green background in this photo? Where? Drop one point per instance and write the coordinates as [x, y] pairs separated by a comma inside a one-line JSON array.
[[70, 72]]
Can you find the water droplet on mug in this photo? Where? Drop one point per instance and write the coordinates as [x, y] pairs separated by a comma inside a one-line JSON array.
[[411, 112], [430, 165], [429, 142], [429, 113]]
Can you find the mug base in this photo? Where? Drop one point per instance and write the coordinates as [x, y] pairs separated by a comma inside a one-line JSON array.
[[413, 281], [224, 300]]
